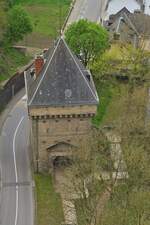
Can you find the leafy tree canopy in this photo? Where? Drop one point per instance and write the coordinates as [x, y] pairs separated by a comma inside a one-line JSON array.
[[124, 63], [87, 40], [19, 24], [2, 19], [10, 3]]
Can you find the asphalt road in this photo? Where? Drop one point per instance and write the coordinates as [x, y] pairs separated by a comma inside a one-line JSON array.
[[93, 10], [16, 196]]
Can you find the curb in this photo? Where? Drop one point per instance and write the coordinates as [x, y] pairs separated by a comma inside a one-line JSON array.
[[67, 18]]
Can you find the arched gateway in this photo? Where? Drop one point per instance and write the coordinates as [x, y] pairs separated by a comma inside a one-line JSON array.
[[62, 99], [60, 155]]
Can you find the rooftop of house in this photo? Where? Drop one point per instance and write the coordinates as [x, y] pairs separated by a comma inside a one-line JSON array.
[[137, 21], [63, 80], [116, 5]]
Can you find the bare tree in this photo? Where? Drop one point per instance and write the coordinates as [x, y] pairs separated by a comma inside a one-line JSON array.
[[94, 176], [130, 203]]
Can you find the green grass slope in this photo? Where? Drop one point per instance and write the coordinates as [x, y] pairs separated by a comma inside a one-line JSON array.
[[47, 16], [49, 206], [11, 60]]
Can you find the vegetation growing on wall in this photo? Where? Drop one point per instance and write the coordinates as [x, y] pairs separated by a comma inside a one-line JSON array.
[[118, 68]]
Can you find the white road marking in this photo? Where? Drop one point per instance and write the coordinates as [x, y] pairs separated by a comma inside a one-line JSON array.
[[1, 183], [16, 172]]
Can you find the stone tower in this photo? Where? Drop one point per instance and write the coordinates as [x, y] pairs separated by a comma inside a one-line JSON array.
[[62, 99]]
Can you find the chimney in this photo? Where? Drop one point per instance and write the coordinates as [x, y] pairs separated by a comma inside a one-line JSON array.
[[39, 63], [45, 50]]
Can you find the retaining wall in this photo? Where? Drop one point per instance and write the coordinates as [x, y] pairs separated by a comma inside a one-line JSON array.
[[12, 87]]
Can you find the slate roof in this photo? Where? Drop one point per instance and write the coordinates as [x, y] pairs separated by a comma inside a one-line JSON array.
[[113, 17], [62, 81], [139, 22]]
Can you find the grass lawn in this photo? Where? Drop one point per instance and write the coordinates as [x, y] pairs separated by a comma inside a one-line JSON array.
[[111, 104], [80, 215], [10, 61], [114, 108], [46, 20], [49, 206], [105, 95], [110, 96], [110, 93]]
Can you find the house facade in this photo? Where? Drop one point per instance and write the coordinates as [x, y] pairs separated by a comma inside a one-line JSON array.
[[62, 99]]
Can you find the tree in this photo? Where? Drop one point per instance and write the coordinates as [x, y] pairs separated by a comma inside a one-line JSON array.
[[87, 40], [130, 203], [19, 25], [124, 63], [10, 3], [105, 200], [127, 200], [93, 177], [3, 20]]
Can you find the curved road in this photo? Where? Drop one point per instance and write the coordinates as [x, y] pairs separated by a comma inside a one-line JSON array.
[[93, 10], [16, 191], [16, 182]]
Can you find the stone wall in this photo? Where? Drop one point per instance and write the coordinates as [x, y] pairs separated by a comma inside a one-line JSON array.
[[54, 111], [66, 126], [12, 87]]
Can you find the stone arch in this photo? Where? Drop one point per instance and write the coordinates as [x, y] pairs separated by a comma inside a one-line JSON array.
[[60, 155], [62, 161]]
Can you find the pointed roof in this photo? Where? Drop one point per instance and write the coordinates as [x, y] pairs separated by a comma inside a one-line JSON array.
[[62, 81], [113, 17], [138, 22]]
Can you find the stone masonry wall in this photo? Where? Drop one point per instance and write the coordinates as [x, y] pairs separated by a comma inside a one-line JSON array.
[[48, 132]]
